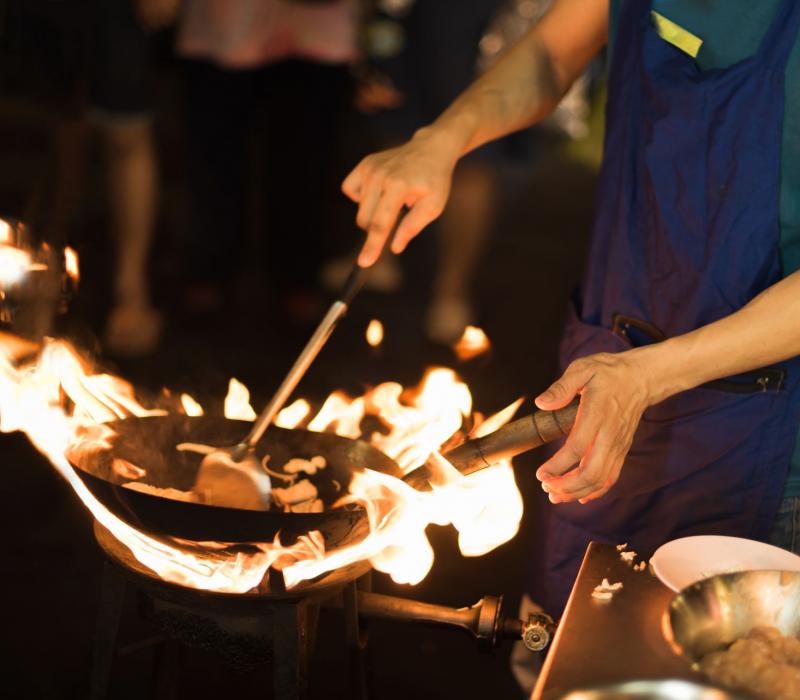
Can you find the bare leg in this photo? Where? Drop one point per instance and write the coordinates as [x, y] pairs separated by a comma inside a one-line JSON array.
[[463, 229], [134, 326], [71, 139]]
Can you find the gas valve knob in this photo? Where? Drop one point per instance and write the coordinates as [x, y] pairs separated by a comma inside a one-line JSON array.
[[537, 631]]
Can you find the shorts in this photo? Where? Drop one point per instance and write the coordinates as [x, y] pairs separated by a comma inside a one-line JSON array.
[[121, 70]]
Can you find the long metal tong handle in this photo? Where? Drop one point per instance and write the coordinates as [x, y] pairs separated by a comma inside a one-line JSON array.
[[355, 281]]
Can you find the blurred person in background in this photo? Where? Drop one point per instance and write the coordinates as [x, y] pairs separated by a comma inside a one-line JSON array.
[[121, 107], [264, 83], [86, 65], [421, 55]]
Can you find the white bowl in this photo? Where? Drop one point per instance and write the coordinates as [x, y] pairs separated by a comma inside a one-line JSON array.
[[682, 562]]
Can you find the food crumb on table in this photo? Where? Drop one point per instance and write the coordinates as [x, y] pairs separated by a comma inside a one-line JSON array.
[[606, 590]]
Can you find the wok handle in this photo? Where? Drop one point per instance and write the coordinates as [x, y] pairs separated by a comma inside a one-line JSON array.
[[514, 438]]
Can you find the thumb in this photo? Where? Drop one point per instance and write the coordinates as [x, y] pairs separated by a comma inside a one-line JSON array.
[[562, 391]]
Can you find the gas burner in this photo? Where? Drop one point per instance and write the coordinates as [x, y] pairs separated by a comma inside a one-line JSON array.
[[269, 624]]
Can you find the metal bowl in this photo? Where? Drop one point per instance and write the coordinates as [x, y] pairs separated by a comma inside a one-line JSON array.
[[664, 689], [711, 614]]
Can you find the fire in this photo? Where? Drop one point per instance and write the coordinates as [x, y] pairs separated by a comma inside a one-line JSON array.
[[473, 342], [190, 406], [71, 264], [374, 333], [294, 414], [14, 264], [16, 261], [63, 406], [237, 402]]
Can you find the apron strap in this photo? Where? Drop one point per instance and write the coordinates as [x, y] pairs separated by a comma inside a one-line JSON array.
[[780, 38]]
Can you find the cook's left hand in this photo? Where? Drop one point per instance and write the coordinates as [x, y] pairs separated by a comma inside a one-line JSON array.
[[615, 390]]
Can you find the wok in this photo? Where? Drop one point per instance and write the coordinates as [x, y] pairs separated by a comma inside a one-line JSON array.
[[150, 443], [713, 613]]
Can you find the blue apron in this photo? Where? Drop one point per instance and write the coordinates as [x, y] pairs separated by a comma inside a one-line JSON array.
[[686, 232]]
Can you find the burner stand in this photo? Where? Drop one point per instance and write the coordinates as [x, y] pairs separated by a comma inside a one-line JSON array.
[[244, 630]]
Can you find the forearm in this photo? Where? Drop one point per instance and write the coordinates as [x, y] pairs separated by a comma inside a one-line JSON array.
[[518, 91], [764, 332], [528, 82]]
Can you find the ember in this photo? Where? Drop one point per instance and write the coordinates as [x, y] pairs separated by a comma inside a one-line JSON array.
[[71, 264], [374, 333], [472, 343]]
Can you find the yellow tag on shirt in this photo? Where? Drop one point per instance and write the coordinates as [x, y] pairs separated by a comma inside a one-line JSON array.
[[677, 36]]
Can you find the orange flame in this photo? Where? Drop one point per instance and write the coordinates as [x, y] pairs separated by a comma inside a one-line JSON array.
[[294, 414], [237, 402], [191, 406], [71, 264], [5, 232], [374, 333], [473, 342], [14, 264], [62, 406]]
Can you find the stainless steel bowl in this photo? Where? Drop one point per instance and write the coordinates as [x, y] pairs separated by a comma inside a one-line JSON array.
[[713, 613], [652, 690]]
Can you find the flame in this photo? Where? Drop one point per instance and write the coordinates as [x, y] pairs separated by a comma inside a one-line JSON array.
[[63, 405], [497, 421], [16, 261], [14, 264], [237, 402], [374, 333], [191, 406], [473, 342], [485, 508], [71, 265], [294, 414], [341, 415], [431, 414]]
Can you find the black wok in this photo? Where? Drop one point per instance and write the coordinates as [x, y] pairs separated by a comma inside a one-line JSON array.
[[150, 443]]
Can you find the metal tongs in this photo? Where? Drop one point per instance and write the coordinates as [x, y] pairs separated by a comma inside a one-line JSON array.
[[233, 476]]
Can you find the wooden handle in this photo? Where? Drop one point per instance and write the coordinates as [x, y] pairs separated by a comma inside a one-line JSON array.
[[519, 436]]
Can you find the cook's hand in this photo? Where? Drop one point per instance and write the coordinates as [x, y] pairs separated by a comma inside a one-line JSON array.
[[615, 391], [416, 175]]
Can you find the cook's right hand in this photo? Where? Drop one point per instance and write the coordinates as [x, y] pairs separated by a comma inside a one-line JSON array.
[[416, 175]]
